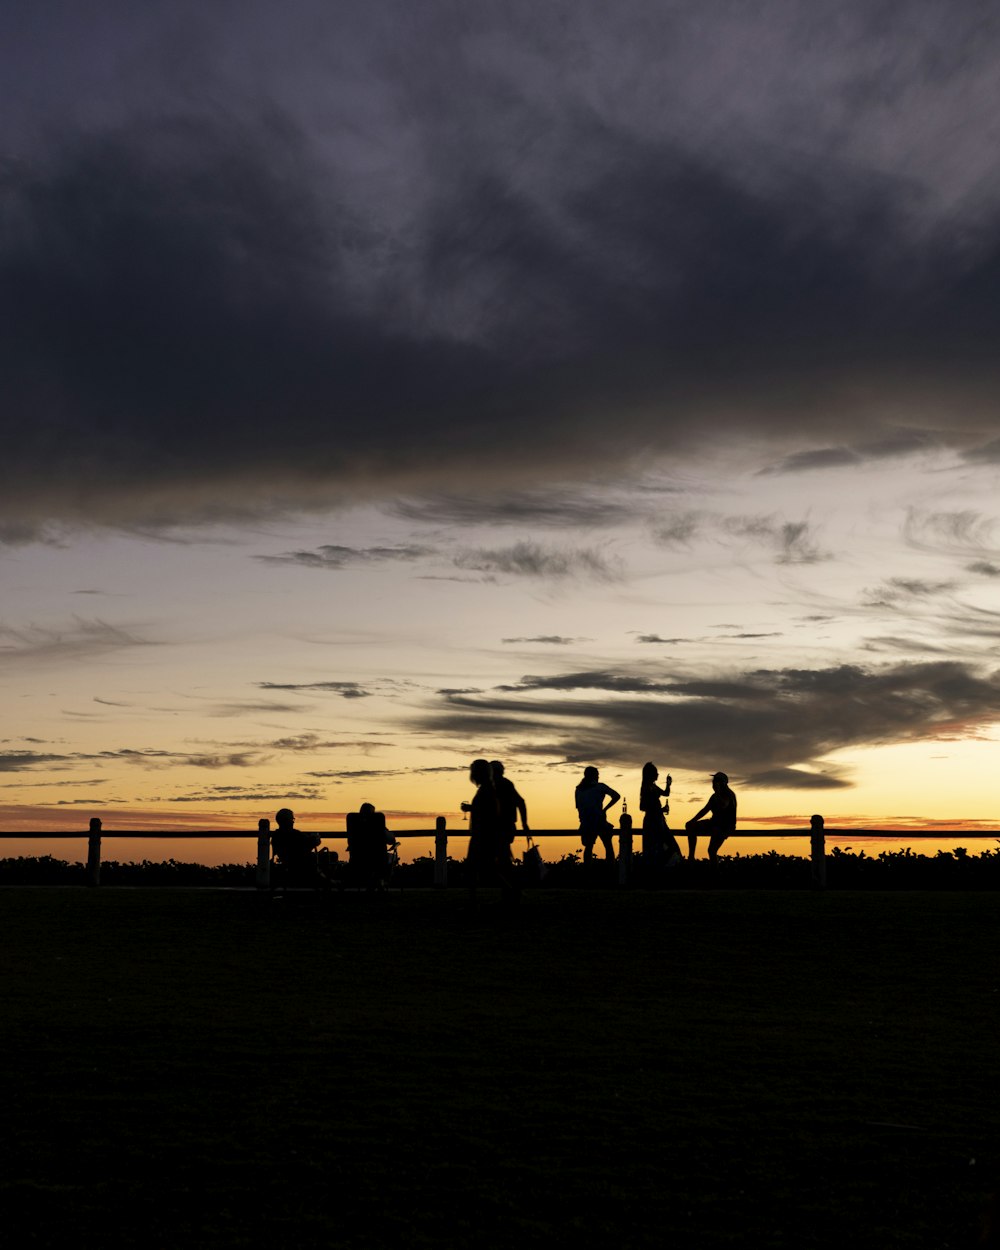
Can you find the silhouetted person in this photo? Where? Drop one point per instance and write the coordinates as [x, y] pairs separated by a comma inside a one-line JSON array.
[[719, 822], [509, 802], [590, 795], [659, 846], [488, 857], [295, 850], [368, 845]]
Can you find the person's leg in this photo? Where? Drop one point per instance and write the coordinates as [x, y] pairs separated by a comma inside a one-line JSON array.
[[714, 847], [693, 831], [609, 846]]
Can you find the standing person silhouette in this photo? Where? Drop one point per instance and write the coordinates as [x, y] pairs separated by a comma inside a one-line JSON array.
[[659, 846], [719, 824], [590, 795], [509, 802], [488, 856]]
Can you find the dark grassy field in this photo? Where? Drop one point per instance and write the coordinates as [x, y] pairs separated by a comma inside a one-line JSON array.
[[187, 1069]]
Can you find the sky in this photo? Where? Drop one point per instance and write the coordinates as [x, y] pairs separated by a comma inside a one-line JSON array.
[[387, 385]]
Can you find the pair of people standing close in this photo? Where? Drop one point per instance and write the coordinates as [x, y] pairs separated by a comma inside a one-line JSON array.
[[493, 816]]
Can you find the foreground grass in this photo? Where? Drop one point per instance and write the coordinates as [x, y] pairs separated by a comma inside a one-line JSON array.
[[217, 1069]]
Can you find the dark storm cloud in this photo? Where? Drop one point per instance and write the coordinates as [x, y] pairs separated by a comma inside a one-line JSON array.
[[257, 260], [527, 559], [755, 724]]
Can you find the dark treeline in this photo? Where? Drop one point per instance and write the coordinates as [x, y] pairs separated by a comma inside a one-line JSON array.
[[846, 870]]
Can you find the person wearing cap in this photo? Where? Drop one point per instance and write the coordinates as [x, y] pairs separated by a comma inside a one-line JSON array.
[[718, 817]]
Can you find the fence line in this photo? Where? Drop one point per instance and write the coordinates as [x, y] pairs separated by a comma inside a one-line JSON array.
[[440, 832]]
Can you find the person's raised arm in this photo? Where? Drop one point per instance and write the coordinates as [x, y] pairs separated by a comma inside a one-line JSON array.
[[613, 798]]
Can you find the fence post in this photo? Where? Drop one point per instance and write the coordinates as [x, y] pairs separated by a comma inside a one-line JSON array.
[[263, 854], [817, 852], [440, 854], [94, 852], [624, 848]]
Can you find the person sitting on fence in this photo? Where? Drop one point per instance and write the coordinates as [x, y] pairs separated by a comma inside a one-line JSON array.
[[721, 821], [590, 795], [368, 844], [295, 850]]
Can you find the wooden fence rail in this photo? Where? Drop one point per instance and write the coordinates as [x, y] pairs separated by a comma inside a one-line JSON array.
[[440, 833]]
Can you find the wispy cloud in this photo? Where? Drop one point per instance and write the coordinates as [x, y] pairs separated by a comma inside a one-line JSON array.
[[902, 442], [355, 774], [964, 533], [558, 508], [19, 761], [334, 558], [49, 644], [529, 559], [553, 640], [905, 589], [790, 542], [346, 689], [231, 794]]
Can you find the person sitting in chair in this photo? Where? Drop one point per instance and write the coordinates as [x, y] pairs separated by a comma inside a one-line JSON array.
[[295, 850], [368, 844]]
